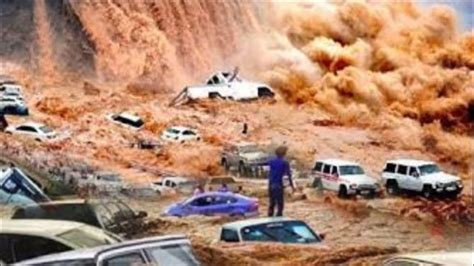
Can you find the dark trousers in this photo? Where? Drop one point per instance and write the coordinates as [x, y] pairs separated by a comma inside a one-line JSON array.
[[276, 198]]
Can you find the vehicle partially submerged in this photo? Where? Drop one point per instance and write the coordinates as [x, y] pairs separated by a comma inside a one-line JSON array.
[[432, 259], [215, 203], [174, 184], [214, 183], [224, 85], [103, 182], [26, 239], [173, 250], [112, 215], [180, 134], [10, 105], [37, 131], [244, 156], [125, 119], [272, 229], [16, 188]]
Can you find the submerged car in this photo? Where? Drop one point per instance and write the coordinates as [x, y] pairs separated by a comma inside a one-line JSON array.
[[103, 182], [180, 134], [173, 250], [225, 85], [172, 184], [216, 182], [13, 106], [16, 188], [432, 259], [26, 239], [344, 177], [212, 203], [110, 215], [423, 177], [272, 229], [127, 120], [243, 156], [38, 131]]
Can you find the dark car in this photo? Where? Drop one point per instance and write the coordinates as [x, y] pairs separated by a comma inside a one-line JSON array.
[[112, 215]]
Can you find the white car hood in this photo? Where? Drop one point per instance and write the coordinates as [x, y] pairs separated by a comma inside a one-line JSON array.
[[254, 155], [439, 177], [359, 179]]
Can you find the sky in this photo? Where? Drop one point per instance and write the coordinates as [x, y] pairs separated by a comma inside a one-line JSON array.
[[464, 8]]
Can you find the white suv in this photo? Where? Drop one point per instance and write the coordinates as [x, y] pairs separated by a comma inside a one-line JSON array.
[[344, 177], [419, 176]]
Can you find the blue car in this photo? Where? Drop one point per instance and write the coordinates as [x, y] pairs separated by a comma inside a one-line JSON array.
[[212, 203]]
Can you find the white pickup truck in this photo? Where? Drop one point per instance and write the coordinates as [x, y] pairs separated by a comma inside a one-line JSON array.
[[423, 177], [171, 185], [225, 85]]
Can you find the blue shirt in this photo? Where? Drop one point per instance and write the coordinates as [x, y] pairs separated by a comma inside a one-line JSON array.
[[279, 167]]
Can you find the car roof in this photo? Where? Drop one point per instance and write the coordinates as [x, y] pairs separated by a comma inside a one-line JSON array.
[[49, 228], [31, 124], [410, 162], [91, 253], [130, 116], [337, 162], [177, 179], [441, 258], [181, 128], [244, 223]]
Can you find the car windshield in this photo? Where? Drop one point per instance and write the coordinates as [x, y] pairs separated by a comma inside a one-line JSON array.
[[351, 170], [249, 148], [285, 232], [83, 239], [172, 131], [429, 169], [46, 129], [173, 255]]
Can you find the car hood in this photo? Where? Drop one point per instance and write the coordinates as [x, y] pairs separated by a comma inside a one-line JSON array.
[[359, 179], [254, 155], [439, 177]]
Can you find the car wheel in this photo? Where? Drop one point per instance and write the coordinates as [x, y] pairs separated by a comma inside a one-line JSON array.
[[427, 192], [392, 187], [342, 192], [37, 139]]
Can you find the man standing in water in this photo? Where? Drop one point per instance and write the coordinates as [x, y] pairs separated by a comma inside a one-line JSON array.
[[279, 167]]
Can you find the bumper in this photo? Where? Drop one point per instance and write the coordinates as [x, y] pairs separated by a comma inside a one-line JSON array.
[[365, 191], [453, 190]]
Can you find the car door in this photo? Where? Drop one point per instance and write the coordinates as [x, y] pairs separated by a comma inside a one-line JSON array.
[[413, 180], [335, 181], [401, 176], [326, 177]]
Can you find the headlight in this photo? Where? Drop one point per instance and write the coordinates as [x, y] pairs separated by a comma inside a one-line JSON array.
[[353, 186], [439, 184]]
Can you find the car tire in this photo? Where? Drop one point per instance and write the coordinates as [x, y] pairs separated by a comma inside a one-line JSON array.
[[392, 187], [427, 192], [37, 139], [342, 192]]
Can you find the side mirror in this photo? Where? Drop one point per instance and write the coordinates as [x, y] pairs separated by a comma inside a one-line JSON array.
[[322, 236]]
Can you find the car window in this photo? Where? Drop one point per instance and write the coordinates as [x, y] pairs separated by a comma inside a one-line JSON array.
[[327, 169], [286, 232], [224, 200], [318, 167], [189, 133], [173, 131], [125, 260], [351, 170], [334, 170], [46, 129], [389, 168], [229, 235], [413, 171], [26, 247], [429, 169], [215, 79], [26, 129], [175, 255], [402, 169], [125, 210], [104, 214], [203, 201]]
